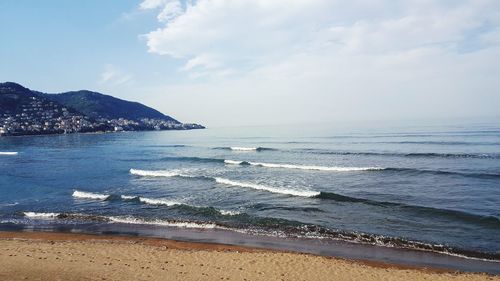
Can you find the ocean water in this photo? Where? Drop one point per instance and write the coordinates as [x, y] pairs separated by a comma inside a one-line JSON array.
[[427, 188]]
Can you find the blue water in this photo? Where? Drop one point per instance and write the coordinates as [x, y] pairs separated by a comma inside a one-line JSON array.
[[425, 187]]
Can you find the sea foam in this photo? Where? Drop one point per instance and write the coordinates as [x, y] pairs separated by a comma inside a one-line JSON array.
[[303, 167], [151, 201], [41, 215], [229, 212], [90, 195], [132, 220], [8, 153], [146, 173], [159, 173], [302, 193], [239, 148]]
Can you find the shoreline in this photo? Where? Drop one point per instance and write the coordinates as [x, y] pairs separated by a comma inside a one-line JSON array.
[[190, 246], [95, 133], [407, 258], [63, 247]]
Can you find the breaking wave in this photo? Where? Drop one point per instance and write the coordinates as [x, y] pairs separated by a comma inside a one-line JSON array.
[[172, 223], [303, 167], [8, 153], [275, 227], [158, 201], [302, 193], [119, 219], [41, 215], [229, 212], [165, 174], [146, 173], [241, 148], [90, 195], [155, 201]]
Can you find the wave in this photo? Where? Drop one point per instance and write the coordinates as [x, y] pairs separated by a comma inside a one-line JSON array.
[[430, 211], [111, 197], [303, 167], [302, 193], [397, 154], [172, 223], [454, 155], [158, 201], [349, 169], [441, 172], [148, 173], [276, 227], [8, 153], [265, 207], [160, 173], [229, 212], [9, 204], [169, 145], [149, 201], [90, 195], [241, 148], [40, 215], [194, 159], [443, 143], [117, 219], [165, 173]]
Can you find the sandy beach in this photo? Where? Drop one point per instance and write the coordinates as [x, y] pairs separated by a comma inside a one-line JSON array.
[[60, 256]]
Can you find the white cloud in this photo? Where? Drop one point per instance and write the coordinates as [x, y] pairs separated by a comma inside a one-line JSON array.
[[332, 59], [152, 4], [170, 11]]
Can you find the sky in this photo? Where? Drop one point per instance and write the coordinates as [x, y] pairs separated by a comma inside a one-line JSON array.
[[263, 62]]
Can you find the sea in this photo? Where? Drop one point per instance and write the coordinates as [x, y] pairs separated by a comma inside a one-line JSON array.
[[423, 194]]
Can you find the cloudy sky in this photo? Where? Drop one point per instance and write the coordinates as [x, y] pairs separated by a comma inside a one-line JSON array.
[[254, 62]]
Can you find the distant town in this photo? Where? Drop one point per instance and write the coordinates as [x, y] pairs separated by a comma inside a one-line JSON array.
[[34, 115]]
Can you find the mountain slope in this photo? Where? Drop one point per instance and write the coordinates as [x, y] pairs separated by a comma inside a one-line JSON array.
[[15, 98], [97, 105], [27, 112]]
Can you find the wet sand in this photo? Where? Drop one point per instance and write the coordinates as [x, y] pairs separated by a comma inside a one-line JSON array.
[[63, 256]]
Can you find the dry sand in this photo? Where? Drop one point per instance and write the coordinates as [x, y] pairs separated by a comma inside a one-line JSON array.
[[58, 256]]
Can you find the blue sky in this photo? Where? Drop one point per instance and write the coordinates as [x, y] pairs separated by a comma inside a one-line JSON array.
[[253, 62]]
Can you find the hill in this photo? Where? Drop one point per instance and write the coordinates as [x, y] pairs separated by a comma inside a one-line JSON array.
[[27, 112], [97, 105]]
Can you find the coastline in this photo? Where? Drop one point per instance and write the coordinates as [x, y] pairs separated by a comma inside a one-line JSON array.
[[71, 256]]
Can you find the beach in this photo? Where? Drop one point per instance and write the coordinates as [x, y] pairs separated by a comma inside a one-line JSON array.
[[65, 256]]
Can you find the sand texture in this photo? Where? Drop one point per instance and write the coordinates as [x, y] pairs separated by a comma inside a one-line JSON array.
[[53, 256]]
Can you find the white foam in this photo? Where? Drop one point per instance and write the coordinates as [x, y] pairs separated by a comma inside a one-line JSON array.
[[8, 153], [41, 215], [229, 212], [151, 201], [158, 173], [239, 148], [90, 195], [233, 162], [305, 167], [132, 220], [158, 201], [9, 204], [302, 193]]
